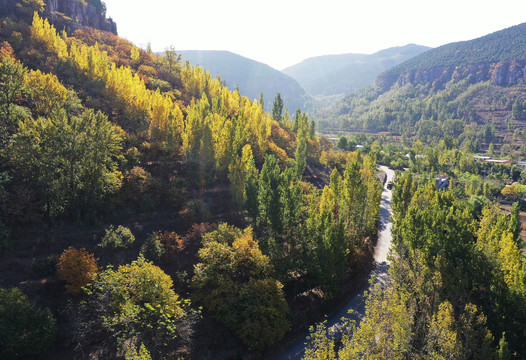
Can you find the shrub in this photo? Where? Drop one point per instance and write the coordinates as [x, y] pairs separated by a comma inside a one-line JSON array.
[[136, 302], [513, 192], [133, 354], [77, 268], [153, 249], [138, 185], [197, 231], [171, 242], [25, 329], [121, 237]]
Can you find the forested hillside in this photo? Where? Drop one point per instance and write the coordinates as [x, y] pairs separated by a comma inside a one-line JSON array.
[[343, 74], [504, 47], [147, 211], [252, 77], [456, 288], [472, 90], [457, 277]]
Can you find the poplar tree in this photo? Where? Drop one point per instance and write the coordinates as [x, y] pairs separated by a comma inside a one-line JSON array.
[[301, 153], [277, 108], [238, 172], [270, 209]]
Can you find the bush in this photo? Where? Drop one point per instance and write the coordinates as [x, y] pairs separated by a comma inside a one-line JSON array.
[[513, 192], [139, 187], [171, 242], [137, 302], [25, 329], [153, 249], [121, 237], [133, 354], [77, 268]]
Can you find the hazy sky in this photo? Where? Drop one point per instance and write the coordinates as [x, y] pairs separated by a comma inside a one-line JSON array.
[[281, 33]]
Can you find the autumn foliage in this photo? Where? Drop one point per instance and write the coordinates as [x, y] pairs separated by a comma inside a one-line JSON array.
[[173, 243], [77, 268]]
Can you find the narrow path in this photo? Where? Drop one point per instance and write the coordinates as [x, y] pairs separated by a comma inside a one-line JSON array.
[[296, 350]]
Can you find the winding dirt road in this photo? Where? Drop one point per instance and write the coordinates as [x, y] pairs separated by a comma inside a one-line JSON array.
[[296, 349]]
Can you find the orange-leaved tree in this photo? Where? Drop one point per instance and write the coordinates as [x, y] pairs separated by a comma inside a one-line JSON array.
[[77, 268]]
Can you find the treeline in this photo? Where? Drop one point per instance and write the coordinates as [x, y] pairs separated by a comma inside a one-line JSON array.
[[456, 287], [93, 132]]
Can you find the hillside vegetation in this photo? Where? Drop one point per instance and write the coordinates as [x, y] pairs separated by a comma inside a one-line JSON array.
[[472, 90], [158, 213], [499, 47]]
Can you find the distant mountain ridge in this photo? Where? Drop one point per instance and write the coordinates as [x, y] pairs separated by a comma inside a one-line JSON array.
[[345, 73], [252, 77]]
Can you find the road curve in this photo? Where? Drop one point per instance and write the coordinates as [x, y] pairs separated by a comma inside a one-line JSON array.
[[296, 349]]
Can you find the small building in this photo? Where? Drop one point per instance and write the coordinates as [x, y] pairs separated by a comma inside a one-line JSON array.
[[481, 158], [521, 164], [417, 156], [442, 182]]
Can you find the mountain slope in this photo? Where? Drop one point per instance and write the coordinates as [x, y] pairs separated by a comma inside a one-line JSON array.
[[471, 90], [251, 76], [343, 74], [473, 57]]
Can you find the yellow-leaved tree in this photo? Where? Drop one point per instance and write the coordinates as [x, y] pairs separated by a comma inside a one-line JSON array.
[[234, 282]]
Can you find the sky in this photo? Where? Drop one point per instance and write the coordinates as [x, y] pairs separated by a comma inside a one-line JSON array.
[[282, 33]]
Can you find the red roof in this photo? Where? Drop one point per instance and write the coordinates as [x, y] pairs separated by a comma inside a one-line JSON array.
[[496, 161]]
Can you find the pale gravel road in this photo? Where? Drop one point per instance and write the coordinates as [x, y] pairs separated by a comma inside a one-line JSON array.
[[296, 349]]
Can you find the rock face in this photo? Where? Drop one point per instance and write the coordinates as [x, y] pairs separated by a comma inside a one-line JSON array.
[[68, 14], [81, 13], [504, 74]]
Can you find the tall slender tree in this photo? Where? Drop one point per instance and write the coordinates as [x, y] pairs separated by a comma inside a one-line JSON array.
[[277, 108]]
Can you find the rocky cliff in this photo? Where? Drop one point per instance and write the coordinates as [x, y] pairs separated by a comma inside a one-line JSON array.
[[81, 13], [499, 57], [509, 73], [64, 14]]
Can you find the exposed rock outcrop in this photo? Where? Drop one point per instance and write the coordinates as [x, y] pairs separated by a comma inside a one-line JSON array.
[[80, 13], [501, 74], [66, 14]]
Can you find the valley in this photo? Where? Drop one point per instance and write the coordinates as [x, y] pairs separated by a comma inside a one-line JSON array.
[[198, 204]]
